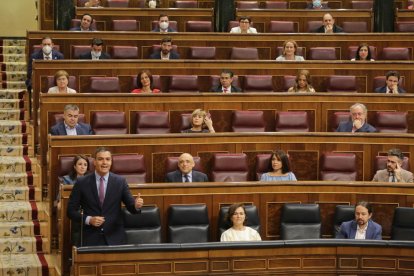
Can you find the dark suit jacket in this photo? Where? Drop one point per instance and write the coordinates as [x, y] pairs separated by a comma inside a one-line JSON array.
[[348, 230], [88, 55], [170, 30], [347, 127], [85, 196], [219, 89], [38, 55], [336, 29], [383, 89], [157, 55], [176, 176], [81, 129]]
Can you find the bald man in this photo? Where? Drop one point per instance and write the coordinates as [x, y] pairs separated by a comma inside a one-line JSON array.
[[185, 172], [329, 26]]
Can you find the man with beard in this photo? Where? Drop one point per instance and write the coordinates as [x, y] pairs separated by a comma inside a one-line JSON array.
[[394, 172], [166, 52], [362, 227]]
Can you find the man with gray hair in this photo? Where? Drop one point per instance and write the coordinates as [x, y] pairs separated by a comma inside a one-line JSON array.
[[358, 123], [394, 172], [70, 124]]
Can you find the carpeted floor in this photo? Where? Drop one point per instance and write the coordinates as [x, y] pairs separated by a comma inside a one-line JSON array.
[[24, 230]]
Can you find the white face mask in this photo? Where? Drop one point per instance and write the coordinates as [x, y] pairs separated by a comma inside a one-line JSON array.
[[96, 54], [164, 25], [152, 4], [47, 49], [317, 3]]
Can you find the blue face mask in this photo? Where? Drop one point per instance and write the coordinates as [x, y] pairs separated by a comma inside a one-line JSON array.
[[317, 3]]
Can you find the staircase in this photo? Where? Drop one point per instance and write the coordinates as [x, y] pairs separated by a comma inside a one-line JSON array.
[[24, 227]]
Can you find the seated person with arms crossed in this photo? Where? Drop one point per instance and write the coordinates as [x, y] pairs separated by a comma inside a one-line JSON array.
[[279, 168], [289, 52], [236, 217], [166, 51], [70, 124], [99, 196], [394, 172], [358, 123], [244, 26], [185, 172], [200, 122], [302, 83], [392, 87], [96, 51], [61, 83], [226, 80], [145, 83], [362, 227], [329, 26]]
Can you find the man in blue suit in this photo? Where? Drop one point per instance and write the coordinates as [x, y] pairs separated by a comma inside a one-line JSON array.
[[392, 79], [98, 196], [85, 24], [185, 172], [70, 124], [163, 25], [362, 227], [46, 53], [166, 51], [359, 120]]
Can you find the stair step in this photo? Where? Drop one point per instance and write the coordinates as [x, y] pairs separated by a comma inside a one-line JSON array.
[[13, 66], [11, 103], [24, 264], [12, 50], [13, 42], [19, 179], [23, 229], [13, 85], [12, 57], [16, 150], [14, 76], [24, 245], [12, 126], [11, 193], [13, 164], [12, 93], [19, 211], [13, 139]]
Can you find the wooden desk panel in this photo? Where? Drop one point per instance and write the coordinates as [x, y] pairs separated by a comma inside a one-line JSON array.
[[145, 16], [269, 198], [262, 18]]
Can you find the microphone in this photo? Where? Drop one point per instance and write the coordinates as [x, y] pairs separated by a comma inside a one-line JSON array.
[[81, 229]]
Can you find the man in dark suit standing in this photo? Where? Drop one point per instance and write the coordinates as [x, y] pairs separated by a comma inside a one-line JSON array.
[[185, 172], [96, 51], [99, 196], [226, 81], [362, 227], [70, 124], [392, 79], [359, 120], [329, 26], [46, 53], [166, 51]]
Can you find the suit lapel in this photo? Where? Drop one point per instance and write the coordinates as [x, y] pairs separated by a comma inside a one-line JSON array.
[[79, 130], [352, 234], [94, 189]]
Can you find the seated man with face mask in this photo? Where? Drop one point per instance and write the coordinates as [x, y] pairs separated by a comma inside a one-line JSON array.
[[96, 51], [163, 25], [317, 5]]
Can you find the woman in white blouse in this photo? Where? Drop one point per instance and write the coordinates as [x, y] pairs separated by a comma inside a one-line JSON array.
[[289, 52], [61, 82], [236, 216]]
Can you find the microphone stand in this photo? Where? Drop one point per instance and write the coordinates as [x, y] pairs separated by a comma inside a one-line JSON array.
[[81, 229]]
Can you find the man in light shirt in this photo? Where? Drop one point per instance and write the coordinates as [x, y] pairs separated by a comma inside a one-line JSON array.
[[70, 124], [362, 227]]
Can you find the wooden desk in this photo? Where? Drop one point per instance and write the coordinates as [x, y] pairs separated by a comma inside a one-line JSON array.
[[145, 16], [269, 198], [262, 18], [266, 43], [306, 257]]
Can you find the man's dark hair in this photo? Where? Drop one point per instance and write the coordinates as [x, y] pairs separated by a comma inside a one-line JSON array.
[[166, 39], [366, 205], [97, 41], [162, 15], [101, 149], [397, 153], [392, 74], [227, 71], [245, 18]]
